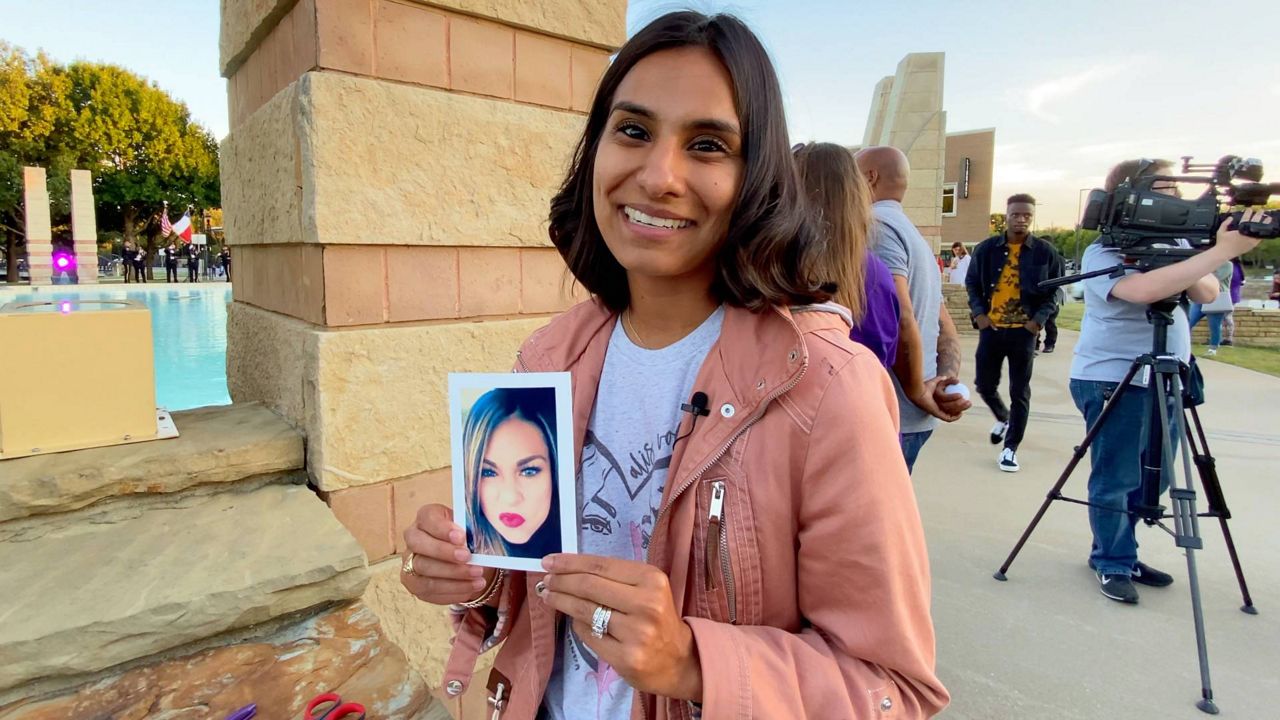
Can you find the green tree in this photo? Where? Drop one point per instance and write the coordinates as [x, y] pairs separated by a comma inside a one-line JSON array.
[[141, 144], [997, 223], [33, 96]]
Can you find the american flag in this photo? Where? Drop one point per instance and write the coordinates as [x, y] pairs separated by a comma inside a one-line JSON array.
[[166, 228]]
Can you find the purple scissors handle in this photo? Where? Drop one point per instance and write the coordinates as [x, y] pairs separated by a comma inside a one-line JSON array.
[[244, 713]]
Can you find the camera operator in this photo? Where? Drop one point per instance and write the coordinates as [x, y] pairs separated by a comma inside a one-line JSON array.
[[1113, 332]]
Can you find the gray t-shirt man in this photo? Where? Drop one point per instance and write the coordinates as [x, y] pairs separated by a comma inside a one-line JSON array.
[[904, 250], [1114, 331]]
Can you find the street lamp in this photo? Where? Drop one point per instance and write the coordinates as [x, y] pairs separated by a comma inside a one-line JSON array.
[[1079, 210]]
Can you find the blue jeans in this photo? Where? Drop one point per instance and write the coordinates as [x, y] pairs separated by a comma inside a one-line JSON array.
[[1115, 478], [1215, 323], [911, 444]]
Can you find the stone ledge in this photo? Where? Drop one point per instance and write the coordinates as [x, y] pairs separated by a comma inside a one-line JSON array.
[[220, 444], [342, 649], [85, 596]]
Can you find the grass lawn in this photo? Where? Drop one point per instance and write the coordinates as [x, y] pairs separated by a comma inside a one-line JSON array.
[[1264, 360]]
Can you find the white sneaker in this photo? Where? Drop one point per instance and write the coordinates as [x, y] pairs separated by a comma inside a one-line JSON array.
[[1210, 352], [997, 432], [1008, 460]]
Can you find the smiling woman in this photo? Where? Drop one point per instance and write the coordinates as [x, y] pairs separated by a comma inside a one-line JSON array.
[[743, 509]]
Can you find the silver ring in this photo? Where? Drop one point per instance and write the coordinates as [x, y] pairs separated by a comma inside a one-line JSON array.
[[600, 621]]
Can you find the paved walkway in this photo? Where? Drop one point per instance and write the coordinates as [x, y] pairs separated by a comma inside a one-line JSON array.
[[1046, 644]]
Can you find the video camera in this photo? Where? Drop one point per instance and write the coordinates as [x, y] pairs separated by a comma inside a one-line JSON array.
[[1141, 220]]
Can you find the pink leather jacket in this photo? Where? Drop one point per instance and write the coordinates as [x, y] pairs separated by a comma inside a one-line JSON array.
[[808, 588]]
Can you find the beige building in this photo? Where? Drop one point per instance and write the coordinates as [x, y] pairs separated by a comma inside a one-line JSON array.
[[966, 187], [949, 191]]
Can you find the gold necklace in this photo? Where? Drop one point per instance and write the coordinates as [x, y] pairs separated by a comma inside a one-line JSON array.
[[627, 324]]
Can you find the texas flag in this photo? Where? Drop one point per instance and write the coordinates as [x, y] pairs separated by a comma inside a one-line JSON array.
[[182, 228]]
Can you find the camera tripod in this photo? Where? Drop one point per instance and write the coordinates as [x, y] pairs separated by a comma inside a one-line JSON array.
[[1164, 374]]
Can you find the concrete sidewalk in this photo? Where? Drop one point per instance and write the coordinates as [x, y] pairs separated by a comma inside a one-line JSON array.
[[1046, 644]]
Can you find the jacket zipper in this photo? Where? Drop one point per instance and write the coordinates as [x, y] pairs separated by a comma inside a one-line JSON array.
[[520, 359], [715, 520], [724, 448], [718, 549]]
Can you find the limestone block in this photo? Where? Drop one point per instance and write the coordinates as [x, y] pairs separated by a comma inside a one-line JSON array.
[[426, 167], [270, 359], [36, 202], [342, 650], [379, 408], [85, 592], [594, 22], [83, 223], [261, 175], [216, 445], [421, 629], [244, 24]]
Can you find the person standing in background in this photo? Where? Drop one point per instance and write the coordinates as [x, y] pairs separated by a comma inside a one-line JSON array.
[[1215, 310], [140, 264], [840, 197], [193, 263], [127, 256], [170, 263], [959, 263], [1009, 309], [225, 256], [928, 359], [1237, 287]]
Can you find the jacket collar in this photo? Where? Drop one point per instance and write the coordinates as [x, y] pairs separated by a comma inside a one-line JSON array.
[[757, 351]]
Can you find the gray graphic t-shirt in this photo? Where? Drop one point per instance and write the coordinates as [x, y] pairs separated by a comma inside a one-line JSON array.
[[624, 468]]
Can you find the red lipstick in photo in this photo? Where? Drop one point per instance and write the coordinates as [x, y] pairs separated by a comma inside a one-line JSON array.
[[511, 520]]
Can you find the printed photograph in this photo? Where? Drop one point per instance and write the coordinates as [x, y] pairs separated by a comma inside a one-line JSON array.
[[513, 481]]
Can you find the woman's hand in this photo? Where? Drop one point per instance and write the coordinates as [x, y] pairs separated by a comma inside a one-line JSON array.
[[649, 645], [440, 573]]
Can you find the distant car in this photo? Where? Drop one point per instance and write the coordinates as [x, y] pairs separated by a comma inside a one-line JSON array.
[[1075, 290]]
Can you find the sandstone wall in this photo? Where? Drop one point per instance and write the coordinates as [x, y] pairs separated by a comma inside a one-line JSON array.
[[386, 184]]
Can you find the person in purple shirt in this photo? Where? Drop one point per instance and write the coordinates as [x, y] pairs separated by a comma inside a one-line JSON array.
[[863, 284]]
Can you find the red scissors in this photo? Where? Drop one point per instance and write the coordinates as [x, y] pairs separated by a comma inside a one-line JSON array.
[[331, 707]]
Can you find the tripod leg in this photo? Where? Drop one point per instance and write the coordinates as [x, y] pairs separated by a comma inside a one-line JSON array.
[[1218, 504], [1055, 492], [1186, 524]]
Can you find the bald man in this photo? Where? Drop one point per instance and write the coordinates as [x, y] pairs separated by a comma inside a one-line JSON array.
[[928, 347]]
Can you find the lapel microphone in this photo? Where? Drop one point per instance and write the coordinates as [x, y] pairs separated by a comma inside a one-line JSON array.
[[697, 405]]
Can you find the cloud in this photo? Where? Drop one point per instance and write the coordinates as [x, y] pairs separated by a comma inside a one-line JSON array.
[[1017, 173], [1040, 97]]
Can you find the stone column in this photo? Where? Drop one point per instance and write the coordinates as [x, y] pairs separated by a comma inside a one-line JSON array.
[[911, 119], [84, 227], [385, 186], [39, 230]]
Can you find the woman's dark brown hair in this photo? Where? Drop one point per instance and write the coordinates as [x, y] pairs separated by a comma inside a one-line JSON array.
[[763, 257], [840, 200]]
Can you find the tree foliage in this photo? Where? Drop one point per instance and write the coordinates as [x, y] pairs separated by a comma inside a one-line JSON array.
[[141, 145]]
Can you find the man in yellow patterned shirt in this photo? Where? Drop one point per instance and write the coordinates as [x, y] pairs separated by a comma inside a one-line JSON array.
[[1009, 309]]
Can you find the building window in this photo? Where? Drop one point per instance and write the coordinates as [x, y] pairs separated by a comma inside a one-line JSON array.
[[949, 200]]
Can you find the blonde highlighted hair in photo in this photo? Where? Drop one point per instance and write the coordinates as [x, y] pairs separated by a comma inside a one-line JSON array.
[[840, 199], [533, 405]]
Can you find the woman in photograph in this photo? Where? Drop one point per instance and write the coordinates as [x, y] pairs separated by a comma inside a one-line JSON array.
[[841, 202], [509, 451], [750, 542]]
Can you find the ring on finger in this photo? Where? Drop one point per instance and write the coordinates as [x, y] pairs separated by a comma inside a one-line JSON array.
[[407, 567], [600, 621]]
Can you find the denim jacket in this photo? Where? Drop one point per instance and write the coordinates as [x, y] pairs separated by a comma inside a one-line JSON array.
[[1039, 261]]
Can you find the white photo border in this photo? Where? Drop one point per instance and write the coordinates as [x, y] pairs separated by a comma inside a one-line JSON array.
[[566, 477]]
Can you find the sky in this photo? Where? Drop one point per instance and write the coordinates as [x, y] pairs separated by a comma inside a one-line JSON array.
[[1071, 87]]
